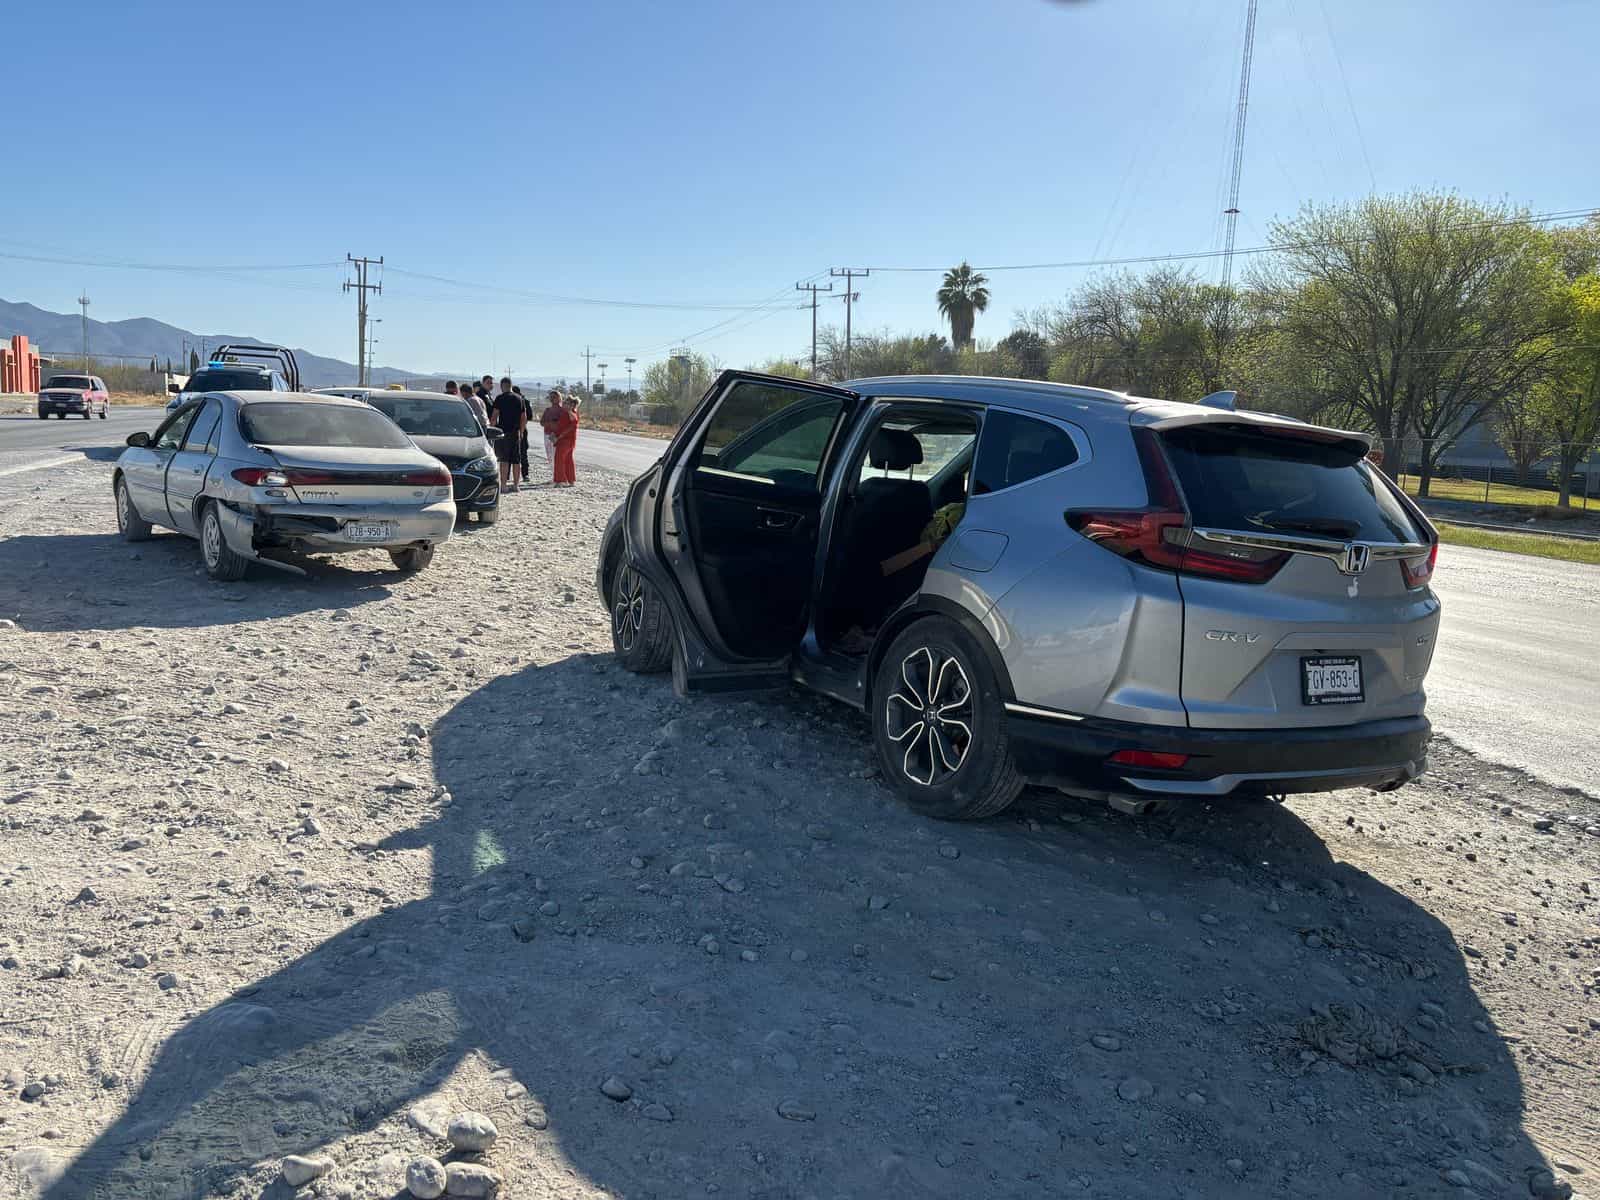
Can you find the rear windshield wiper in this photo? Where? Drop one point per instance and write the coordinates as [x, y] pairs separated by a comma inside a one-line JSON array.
[[1332, 526]]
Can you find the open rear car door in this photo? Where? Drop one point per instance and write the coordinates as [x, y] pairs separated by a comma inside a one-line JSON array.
[[725, 525]]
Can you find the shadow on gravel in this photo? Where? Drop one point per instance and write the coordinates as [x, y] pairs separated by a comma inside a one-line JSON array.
[[811, 992], [97, 581], [100, 454]]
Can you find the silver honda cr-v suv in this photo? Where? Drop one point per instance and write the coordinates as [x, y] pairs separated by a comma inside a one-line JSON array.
[[1023, 581]]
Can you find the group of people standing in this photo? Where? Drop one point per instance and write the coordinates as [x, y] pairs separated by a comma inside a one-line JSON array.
[[512, 413]]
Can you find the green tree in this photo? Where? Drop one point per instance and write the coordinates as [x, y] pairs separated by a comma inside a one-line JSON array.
[[1567, 399], [676, 384], [1417, 314], [787, 368], [1163, 333], [961, 298], [1028, 351], [1522, 431]]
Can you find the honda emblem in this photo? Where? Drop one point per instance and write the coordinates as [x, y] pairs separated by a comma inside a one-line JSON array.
[[1356, 557]]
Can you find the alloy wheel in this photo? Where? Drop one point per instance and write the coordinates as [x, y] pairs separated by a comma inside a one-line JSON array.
[[627, 608], [929, 716], [123, 505]]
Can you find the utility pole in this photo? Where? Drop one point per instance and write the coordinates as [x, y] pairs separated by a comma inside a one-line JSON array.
[[813, 289], [849, 275], [83, 305], [361, 287], [587, 355], [372, 342]]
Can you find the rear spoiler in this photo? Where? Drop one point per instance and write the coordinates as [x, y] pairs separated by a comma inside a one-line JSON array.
[[279, 356], [1165, 417]]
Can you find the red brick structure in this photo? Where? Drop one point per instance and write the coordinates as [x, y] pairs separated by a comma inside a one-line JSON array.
[[19, 366]]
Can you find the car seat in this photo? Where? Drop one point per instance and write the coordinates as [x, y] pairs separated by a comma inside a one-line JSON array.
[[888, 516]]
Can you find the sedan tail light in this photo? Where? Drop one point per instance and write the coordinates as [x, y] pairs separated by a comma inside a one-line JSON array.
[[433, 477], [1159, 535], [260, 477]]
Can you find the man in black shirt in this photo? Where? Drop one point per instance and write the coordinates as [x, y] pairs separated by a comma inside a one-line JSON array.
[[509, 416]]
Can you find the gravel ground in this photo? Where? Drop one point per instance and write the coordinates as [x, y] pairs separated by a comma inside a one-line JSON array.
[[303, 867]]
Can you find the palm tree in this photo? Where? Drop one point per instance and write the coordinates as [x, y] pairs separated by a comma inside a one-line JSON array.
[[961, 299]]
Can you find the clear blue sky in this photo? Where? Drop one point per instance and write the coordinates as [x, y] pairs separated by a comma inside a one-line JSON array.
[[716, 151]]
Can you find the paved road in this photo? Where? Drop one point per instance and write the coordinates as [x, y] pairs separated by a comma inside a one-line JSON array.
[[1516, 677], [26, 440]]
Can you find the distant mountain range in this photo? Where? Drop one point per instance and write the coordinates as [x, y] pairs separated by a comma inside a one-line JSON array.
[[144, 338]]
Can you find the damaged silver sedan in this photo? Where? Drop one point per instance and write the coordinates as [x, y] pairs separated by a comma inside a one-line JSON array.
[[250, 474]]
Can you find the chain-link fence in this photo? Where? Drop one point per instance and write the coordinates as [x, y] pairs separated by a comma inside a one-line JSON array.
[[1510, 473]]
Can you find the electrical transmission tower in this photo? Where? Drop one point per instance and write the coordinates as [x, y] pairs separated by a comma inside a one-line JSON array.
[[1232, 211], [361, 287]]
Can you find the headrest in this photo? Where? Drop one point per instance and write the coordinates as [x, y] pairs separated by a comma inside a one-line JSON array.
[[894, 450], [1028, 464]]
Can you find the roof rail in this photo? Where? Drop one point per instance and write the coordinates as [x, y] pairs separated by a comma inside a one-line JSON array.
[[278, 355]]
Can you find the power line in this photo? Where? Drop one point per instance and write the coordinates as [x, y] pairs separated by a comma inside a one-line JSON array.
[[198, 268], [1271, 248], [1355, 119], [557, 298]]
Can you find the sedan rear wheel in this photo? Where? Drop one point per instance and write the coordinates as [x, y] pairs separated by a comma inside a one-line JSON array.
[[938, 722], [222, 563], [641, 628], [133, 527]]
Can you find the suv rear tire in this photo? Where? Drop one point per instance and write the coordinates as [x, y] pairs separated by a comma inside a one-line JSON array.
[[939, 724], [641, 627], [222, 563], [488, 516]]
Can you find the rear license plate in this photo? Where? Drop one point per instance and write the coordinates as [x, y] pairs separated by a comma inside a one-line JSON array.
[[369, 531], [1331, 681]]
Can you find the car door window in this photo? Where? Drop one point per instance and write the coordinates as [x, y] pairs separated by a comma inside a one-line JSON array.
[[203, 433], [1014, 449], [770, 432], [170, 435]]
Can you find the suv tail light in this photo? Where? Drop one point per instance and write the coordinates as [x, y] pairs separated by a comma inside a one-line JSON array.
[[1418, 571], [1159, 535]]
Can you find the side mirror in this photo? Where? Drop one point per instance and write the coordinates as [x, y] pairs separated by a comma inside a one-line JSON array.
[[139, 439], [494, 433], [173, 389]]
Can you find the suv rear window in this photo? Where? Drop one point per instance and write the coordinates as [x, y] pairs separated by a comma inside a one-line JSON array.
[[78, 383], [1234, 480], [306, 423], [225, 379]]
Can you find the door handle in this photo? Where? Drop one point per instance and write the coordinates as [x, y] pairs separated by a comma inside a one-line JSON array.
[[776, 521]]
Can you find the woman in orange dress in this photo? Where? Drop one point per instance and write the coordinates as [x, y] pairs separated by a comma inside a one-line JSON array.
[[566, 441]]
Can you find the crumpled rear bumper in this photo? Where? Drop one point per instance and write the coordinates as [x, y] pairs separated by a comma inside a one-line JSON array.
[[321, 528]]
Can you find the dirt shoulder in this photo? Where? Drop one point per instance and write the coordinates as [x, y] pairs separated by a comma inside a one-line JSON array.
[[296, 866]]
